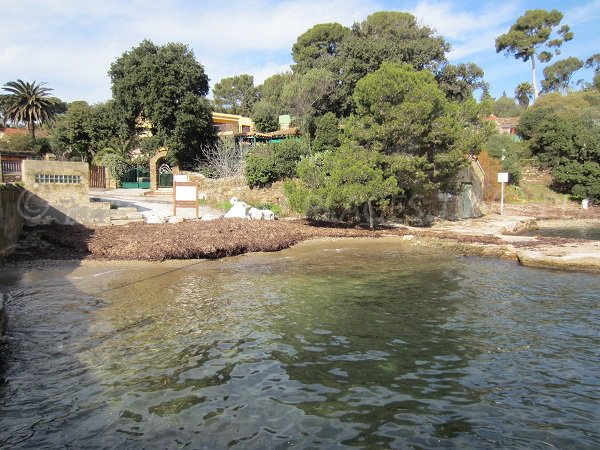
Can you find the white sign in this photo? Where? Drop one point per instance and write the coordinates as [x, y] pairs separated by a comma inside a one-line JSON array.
[[181, 178], [186, 194], [502, 177]]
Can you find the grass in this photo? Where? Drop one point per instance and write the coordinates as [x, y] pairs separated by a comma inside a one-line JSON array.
[[531, 192]]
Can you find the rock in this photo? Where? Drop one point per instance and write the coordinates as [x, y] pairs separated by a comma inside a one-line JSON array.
[[210, 217], [268, 214], [175, 219], [239, 210], [255, 214], [155, 218]]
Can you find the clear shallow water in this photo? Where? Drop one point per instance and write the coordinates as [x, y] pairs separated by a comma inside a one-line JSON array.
[[577, 232], [371, 344]]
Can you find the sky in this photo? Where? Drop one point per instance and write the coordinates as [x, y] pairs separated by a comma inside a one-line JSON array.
[[70, 44]]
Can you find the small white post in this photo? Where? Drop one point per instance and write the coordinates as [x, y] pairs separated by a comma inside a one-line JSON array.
[[502, 178]]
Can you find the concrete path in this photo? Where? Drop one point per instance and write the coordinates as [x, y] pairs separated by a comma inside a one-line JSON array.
[[160, 204]]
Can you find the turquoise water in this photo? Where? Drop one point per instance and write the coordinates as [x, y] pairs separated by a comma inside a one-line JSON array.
[[362, 344]]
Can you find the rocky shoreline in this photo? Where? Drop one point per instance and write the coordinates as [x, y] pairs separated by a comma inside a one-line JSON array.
[[492, 235]]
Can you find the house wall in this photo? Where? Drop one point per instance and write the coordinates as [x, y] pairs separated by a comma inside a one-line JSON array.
[[58, 192], [11, 221]]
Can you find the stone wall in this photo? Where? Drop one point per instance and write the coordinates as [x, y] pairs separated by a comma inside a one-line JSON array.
[[58, 192], [11, 221], [220, 190]]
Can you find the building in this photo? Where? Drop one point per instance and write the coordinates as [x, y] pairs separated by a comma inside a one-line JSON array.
[[506, 125], [232, 124]]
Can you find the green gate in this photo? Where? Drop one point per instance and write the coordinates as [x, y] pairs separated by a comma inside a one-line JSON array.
[[136, 178], [165, 176]]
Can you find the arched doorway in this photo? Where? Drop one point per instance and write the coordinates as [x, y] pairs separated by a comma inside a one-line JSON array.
[[161, 173]]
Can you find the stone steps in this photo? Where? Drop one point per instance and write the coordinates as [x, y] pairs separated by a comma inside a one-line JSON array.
[[125, 216]]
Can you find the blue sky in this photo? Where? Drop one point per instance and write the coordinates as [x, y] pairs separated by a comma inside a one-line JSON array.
[[70, 44]]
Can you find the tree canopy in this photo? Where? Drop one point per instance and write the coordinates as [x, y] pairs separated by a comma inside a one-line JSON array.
[[165, 86], [235, 95], [506, 107], [557, 77], [530, 38], [319, 42], [563, 132], [30, 103]]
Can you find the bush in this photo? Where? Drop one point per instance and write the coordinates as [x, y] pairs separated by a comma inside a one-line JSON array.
[[274, 207], [340, 183], [269, 163], [117, 166], [503, 145]]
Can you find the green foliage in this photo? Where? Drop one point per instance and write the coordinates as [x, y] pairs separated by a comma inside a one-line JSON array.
[[269, 163], [319, 42], [506, 107], [116, 165], [340, 182], [523, 94], [265, 117], [558, 75], [327, 134], [29, 103], [304, 95], [166, 86], [530, 38], [235, 95], [274, 207], [272, 87], [563, 132], [593, 62], [25, 143], [225, 205], [460, 81], [84, 130], [509, 152]]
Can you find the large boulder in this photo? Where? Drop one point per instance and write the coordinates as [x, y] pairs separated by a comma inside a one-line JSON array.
[[239, 210]]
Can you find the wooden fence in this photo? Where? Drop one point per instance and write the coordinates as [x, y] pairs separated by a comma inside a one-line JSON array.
[[98, 177]]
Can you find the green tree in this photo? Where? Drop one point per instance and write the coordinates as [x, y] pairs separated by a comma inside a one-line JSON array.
[[29, 103], [593, 62], [304, 96], [511, 154], [272, 88], [327, 133], [84, 130], [506, 107], [319, 42], [167, 87], [402, 113], [557, 77], [265, 116], [235, 95], [530, 38], [563, 132], [383, 36], [341, 182], [523, 94], [460, 81]]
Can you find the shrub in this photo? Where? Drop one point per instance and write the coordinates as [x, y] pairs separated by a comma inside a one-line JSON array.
[[117, 166], [269, 163], [502, 145]]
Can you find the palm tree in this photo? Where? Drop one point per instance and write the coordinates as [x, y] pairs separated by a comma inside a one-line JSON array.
[[29, 103], [523, 93]]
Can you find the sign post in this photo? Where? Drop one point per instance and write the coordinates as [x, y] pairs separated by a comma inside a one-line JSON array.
[[185, 195], [502, 178]]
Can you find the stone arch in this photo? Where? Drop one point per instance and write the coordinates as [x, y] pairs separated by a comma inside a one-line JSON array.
[[155, 162]]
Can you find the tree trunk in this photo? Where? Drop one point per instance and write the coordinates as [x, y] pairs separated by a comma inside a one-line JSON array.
[[370, 214], [31, 127], [535, 88]]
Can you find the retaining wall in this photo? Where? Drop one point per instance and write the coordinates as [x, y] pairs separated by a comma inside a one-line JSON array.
[[11, 221]]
